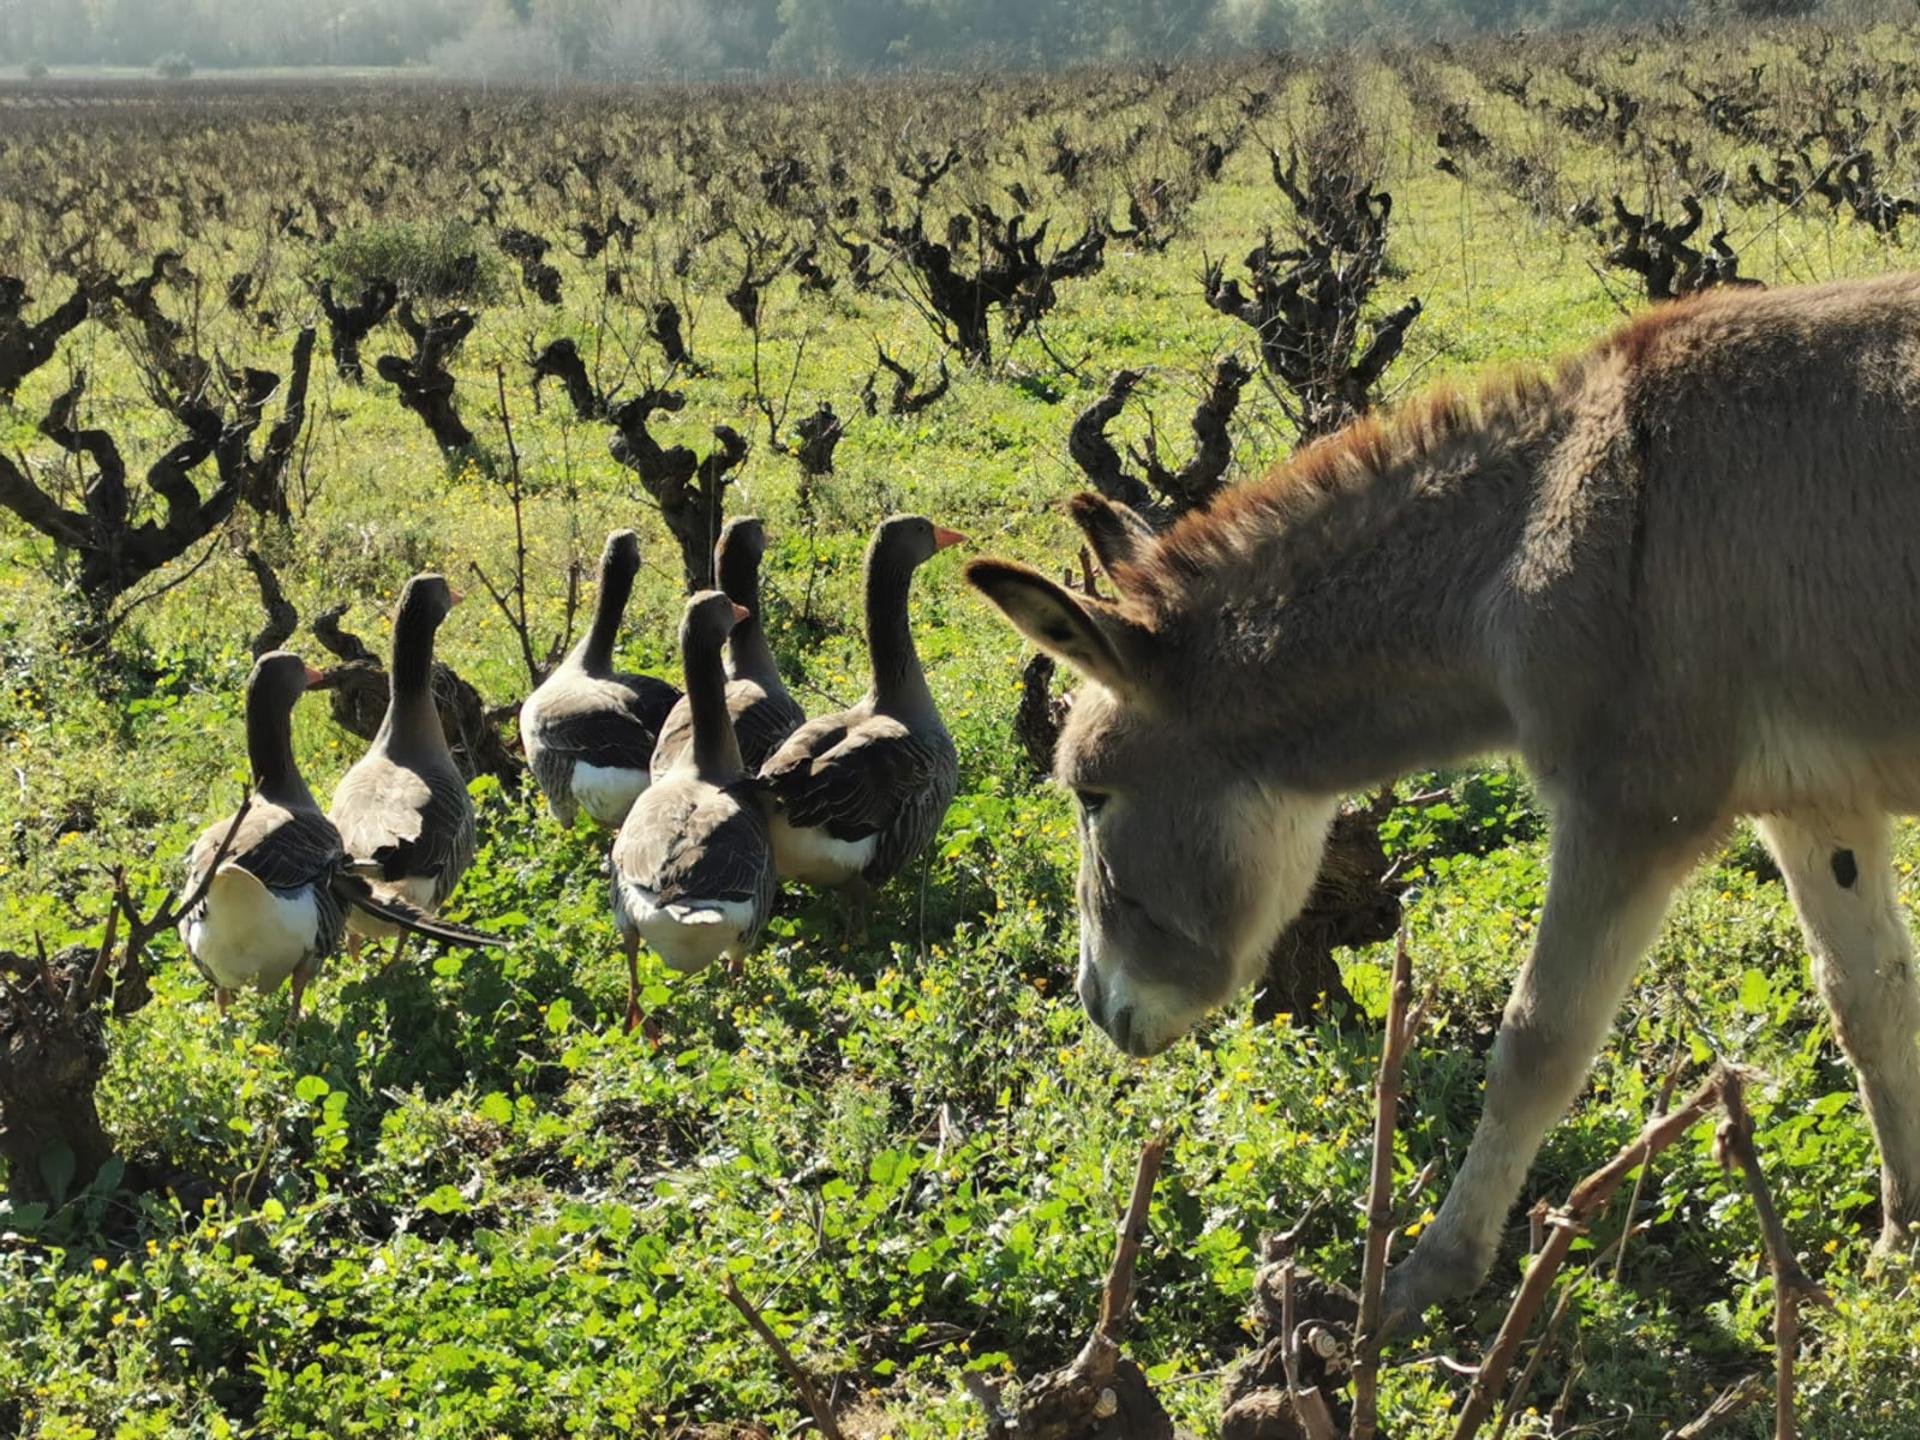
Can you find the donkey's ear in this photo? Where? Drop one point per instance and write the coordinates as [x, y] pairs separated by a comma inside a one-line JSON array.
[[1090, 637], [1115, 533]]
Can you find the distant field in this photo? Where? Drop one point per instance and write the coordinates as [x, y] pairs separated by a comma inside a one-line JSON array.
[[457, 1200]]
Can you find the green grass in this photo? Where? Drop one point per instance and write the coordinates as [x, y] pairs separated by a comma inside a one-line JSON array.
[[458, 1200]]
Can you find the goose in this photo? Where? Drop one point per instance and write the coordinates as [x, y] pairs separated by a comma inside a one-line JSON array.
[[859, 794], [589, 732], [276, 903], [763, 713], [402, 810], [692, 866]]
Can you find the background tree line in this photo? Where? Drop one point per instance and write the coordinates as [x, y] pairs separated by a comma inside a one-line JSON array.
[[548, 40]]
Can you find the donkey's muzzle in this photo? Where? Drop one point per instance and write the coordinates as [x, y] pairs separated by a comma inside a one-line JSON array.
[[1092, 995]]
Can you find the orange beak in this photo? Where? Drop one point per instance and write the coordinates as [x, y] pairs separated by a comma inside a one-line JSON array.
[[454, 597], [741, 614], [315, 679], [943, 537]]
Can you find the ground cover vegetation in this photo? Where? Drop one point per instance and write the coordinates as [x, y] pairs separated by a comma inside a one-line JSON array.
[[266, 351]]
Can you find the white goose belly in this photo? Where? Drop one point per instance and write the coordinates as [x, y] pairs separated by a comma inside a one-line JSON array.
[[607, 792], [811, 855], [246, 935], [688, 934]]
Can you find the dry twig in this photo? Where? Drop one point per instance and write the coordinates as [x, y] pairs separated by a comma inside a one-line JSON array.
[[1589, 1197], [1403, 1021], [1733, 1145], [1729, 1405], [816, 1407], [1117, 1297]]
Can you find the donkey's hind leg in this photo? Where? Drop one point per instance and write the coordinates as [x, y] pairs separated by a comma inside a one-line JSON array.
[[1840, 874], [1605, 901]]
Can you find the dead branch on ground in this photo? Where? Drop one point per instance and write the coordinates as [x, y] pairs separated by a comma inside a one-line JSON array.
[[816, 1407]]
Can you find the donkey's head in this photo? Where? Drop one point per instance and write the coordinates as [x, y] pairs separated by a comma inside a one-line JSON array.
[[1192, 862]]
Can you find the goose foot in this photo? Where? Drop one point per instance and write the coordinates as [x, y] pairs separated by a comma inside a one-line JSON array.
[[645, 1024]]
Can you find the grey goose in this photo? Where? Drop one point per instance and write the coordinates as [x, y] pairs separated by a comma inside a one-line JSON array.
[[693, 873], [277, 903], [859, 794], [588, 730], [763, 713], [403, 810]]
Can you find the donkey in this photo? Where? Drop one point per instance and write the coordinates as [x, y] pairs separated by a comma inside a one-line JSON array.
[[1679, 576]]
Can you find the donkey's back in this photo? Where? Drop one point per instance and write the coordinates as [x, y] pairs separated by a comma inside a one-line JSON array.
[[1740, 618]]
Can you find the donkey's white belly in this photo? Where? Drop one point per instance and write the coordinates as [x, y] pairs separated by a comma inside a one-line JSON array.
[[607, 792], [245, 934], [688, 934], [1789, 766], [814, 856]]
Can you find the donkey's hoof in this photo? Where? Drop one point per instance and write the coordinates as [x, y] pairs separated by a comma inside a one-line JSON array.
[[1896, 1254], [1426, 1277]]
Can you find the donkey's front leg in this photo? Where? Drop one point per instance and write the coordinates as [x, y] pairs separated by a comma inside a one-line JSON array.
[[1606, 896]]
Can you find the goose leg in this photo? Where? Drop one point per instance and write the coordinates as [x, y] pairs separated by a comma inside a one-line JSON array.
[[862, 916], [353, 947], [301, 975], [856, 907], [399, 949], [222, 998], [645, 1024], [633, 983]]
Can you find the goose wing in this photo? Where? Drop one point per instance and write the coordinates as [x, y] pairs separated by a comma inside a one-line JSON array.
[[406, 822], [270, 905], [850, 775], [647, 699], [762, 720], [761, 723], [281, 848], [695, 841], [610, 735]]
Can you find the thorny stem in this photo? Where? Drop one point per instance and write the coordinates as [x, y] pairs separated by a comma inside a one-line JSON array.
[[1403, 1020]]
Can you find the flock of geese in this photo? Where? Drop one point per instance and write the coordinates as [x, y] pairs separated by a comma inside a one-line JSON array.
[[714, 796]]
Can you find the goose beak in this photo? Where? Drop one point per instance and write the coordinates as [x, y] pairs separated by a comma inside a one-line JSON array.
[[943, 537], [454, 597], [741, 614], [316, 679]]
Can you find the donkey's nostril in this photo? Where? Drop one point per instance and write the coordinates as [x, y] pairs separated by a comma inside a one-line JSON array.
[[1091, 998]]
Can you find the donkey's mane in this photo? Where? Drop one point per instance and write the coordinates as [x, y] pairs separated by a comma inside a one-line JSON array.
[[1330, 495]]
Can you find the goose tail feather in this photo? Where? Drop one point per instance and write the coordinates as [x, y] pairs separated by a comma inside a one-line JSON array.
[[356, 892]]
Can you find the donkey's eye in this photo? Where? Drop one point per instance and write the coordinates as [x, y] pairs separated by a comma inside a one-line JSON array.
[[1090, 801]]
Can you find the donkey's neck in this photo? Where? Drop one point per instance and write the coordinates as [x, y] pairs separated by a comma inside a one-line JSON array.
[[1349, 643]]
